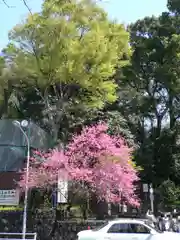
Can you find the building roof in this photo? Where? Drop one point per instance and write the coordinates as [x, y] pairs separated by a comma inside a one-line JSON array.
[[13, 144], [11, 135]]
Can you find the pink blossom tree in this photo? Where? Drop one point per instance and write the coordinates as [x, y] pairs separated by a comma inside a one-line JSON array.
[[99, 161]]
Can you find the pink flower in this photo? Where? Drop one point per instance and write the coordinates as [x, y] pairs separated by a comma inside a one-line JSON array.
[[95, 158]]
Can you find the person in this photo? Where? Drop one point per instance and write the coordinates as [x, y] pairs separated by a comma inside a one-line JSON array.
[[150, 216], [166, 222], [161, 224], [172, 225], [178, 224]]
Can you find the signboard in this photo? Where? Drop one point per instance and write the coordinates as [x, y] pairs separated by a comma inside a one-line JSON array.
[[62, 191], [145, 188], [9, 197]]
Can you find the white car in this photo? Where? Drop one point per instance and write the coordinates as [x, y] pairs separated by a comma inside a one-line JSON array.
[[126, 229]]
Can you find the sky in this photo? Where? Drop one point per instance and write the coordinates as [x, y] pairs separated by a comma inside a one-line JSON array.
[[125, 11]]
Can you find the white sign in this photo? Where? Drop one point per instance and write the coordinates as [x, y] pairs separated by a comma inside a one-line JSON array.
[[9, 197], [125, 208], [62, 191], [145, 188]]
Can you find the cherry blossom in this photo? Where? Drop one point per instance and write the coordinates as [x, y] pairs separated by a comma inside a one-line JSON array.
[[102, 162]]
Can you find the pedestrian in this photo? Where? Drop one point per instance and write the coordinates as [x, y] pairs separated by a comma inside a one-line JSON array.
[[172, 225], [166, 222], [161, 224], [150, 216], [178, 224]]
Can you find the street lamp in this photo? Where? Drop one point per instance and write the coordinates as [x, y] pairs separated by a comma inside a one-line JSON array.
[[22, 125], [151, 195]]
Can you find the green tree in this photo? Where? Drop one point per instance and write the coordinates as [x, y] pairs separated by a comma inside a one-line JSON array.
[[8, 86], [173, 6], [152, 104], [169, 194], [68, 54]]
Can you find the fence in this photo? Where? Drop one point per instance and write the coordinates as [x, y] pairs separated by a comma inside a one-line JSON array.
[[17, 236]]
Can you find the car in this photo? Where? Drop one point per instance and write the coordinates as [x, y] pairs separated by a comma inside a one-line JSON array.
[[126, 229]]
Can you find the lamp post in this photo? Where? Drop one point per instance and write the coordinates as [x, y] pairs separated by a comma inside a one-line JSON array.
[[20, 125], [151, 195]]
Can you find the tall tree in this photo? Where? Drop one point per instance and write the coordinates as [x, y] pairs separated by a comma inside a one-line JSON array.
[[67, 53], [153, 79], [9, 86]]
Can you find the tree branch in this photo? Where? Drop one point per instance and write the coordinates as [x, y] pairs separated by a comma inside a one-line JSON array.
[[26, 5], [7, 5]]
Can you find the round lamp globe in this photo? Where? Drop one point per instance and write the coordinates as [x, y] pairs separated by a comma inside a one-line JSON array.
[[24, 123]]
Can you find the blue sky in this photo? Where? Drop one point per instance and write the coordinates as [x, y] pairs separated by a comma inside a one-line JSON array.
[[125, 11]]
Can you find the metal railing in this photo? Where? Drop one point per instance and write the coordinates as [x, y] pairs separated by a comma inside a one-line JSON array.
[[17, 236]]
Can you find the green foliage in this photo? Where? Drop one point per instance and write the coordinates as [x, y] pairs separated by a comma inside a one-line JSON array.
[[65, 57], [152, 79], [8, 99], [169, 193], [118, 125], [72, 42], [173, 6]]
